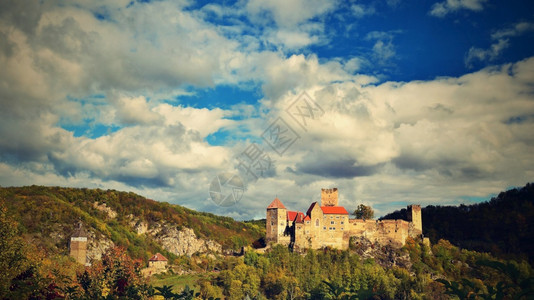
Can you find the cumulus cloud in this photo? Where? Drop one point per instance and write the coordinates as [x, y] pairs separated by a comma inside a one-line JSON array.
[[287, 13], [295, 24], [119, 67], [407, 140], [383, 49], [501, 41], [490, 54], [441, 9]]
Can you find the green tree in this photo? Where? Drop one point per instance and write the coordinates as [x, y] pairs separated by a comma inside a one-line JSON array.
[[13, 259], [364, 212]]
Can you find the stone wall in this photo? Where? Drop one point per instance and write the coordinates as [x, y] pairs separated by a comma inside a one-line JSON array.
[[329, 197], [78, 249], [384, 232], [276, 226]]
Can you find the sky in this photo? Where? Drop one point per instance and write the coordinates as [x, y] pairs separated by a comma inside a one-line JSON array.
[[392, 102]]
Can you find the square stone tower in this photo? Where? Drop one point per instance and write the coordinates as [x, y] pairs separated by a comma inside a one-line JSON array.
[[329, 197], [414, 216], [276, 222], [78, 244]]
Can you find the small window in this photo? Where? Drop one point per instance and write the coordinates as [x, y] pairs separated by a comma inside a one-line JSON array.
[[337, 217], [272, 223], [333, 228], [342, 222], [324, 228], [317, 222], [332, 222], [341, 228]]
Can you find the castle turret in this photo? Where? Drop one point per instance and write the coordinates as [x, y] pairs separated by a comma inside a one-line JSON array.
[[276, 222], [414, 216], [329, 197], [78, 244]]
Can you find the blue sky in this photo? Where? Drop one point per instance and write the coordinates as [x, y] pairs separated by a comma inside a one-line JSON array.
[[427, 102]]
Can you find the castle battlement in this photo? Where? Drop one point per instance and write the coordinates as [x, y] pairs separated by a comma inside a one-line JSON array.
[[328, 225]]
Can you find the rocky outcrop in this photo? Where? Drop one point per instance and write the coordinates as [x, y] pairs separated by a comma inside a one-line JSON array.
[[182, 241], [386, 256], [96, 246], [139, 226], [104, 208]]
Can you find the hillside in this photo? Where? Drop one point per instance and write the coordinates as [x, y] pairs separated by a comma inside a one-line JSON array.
[[47, 216], [36, 222], [503, 225]]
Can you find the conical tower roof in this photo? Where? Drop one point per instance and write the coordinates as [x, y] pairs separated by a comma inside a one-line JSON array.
[[276, 204], [79, 231]]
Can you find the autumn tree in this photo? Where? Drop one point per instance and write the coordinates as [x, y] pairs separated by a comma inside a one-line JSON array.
[[116, 275], [364, 212]]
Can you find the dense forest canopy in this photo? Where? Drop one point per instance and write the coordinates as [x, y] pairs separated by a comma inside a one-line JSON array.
[[503, 225]]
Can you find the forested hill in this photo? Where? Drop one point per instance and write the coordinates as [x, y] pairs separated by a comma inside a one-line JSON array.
[[48, 215], [503, 225]]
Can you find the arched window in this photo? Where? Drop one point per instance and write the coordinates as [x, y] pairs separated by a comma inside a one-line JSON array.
[[316, 222]]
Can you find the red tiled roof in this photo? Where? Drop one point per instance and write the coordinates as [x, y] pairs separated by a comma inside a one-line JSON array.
[[296, 216], [276, 204], [338, 210], [307, 218], [157, 257], [291, 215]]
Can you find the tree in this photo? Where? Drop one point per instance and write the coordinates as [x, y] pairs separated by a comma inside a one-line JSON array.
[[364, 212], [13, 259], [116, 275]]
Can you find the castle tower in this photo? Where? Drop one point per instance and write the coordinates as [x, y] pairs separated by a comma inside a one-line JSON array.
[[78, 244], [329, 197], [276, 222], [414, 216]]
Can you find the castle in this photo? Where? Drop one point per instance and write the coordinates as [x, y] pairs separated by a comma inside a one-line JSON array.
[[328, 225]]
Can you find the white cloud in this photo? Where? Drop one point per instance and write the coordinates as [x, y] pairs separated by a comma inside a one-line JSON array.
[[290, 25], [501, 42], [203, 120], [287, 13], [359, 10], [134, 110], [490, 54], [514, 30], [441, 9], [383, 49], [450, 137]]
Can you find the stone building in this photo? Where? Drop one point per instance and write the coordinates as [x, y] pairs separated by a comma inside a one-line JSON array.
[[78, 244], [157, 262], [328, 225]]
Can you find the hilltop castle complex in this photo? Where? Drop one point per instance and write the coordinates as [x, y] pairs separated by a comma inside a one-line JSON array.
[[328, 225]]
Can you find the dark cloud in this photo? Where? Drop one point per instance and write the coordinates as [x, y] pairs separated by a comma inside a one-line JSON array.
[[336, 168], [23, 14], [411, 162]]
